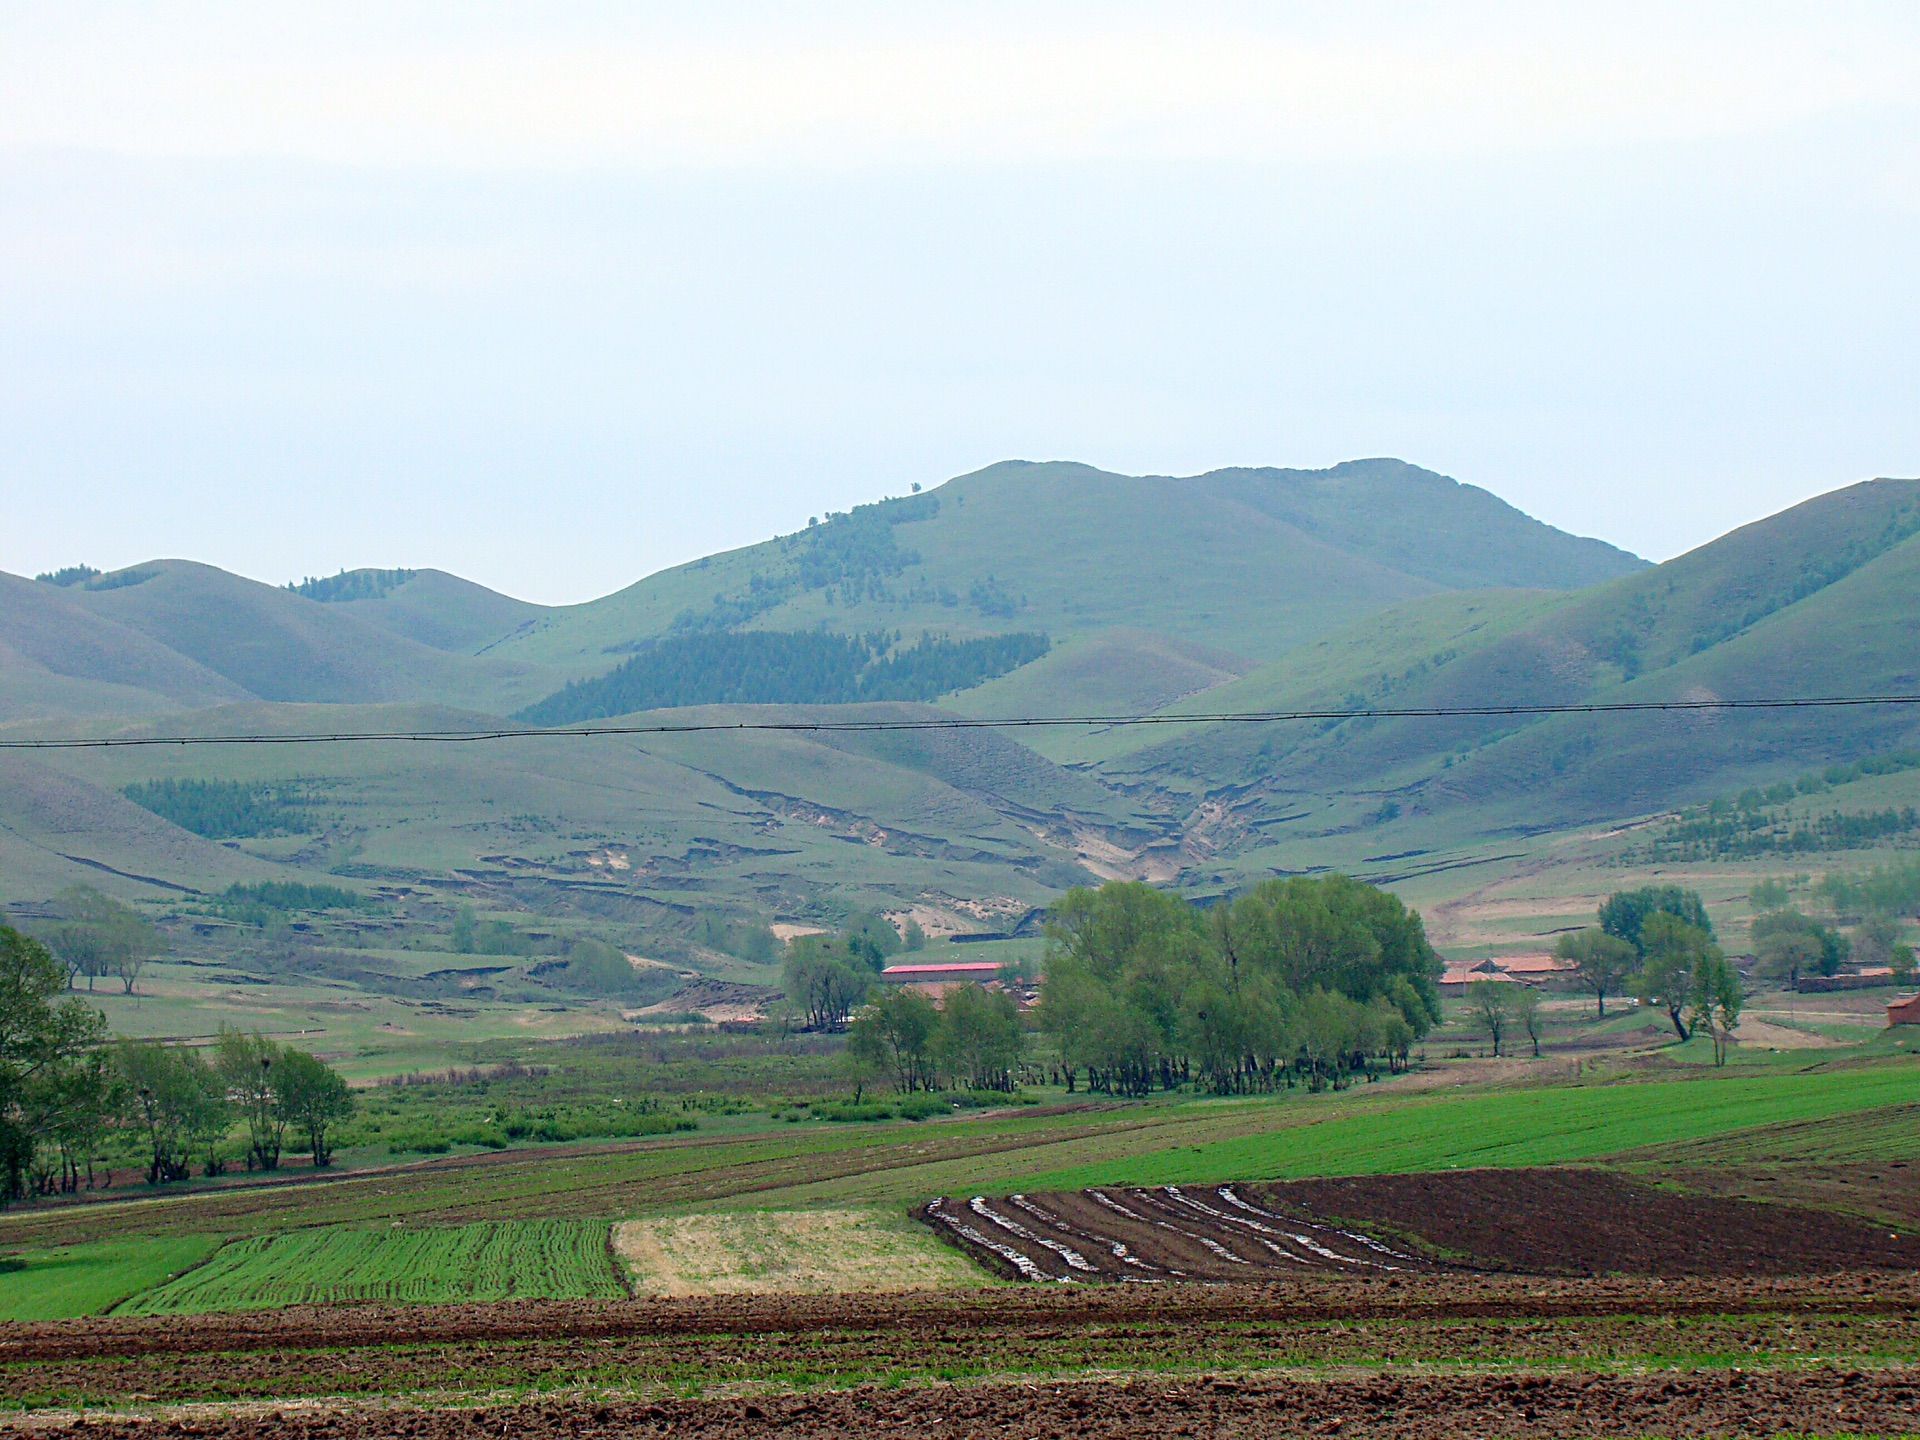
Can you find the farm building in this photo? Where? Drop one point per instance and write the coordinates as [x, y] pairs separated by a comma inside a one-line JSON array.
[[1534, 967], [1904, 1012], [936, 980], [1458, 977]]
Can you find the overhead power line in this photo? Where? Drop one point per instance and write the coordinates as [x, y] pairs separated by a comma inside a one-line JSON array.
[[958, 722]]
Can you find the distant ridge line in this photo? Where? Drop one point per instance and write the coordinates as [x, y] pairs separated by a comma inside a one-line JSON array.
[[693, 727]]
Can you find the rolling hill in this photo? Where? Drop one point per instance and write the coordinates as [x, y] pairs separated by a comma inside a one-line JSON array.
[[1373, 584], [1815, 601], [195, 634], [1247, 564]]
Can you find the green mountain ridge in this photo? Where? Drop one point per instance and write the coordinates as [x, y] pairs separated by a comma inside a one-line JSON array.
[[1237, 591]]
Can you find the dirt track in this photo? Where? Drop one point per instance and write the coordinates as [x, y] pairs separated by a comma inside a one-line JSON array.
[[1542, 1222], [1389, 1407]]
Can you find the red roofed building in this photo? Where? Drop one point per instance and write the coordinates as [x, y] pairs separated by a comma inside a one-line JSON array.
[[1904, 1012], [936, 980]]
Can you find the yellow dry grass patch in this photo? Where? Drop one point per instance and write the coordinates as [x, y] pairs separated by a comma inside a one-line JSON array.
[[792, 1252]]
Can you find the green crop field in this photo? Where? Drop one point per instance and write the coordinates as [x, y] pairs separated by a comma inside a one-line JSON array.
[[90, 1279], [525, 1260], [1525, 1127]]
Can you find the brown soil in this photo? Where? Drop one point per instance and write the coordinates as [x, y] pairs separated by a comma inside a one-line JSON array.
[[1542, 1222], [933, 1316], [1390, 1407], [1596, 1222]]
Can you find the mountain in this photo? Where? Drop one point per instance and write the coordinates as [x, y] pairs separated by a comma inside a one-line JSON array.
[[1815, 601], [59, 658], [429, 607], [1245, 563], [252, 640], [1371, 585]]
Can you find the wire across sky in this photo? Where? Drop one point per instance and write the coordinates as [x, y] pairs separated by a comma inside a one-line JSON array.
[[960, 722]]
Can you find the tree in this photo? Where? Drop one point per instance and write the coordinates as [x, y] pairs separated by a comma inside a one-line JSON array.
[[1788, 943], [1672, 950], [978, 1037], [97, 936], [1492, 1007], [245, 1066], [913, 937], [311, 1096], [39, 1032], [1526, 1010], [1902, 964], [897, 1029], [1602, 962], [822, 985], [1625, 913], [1770, 894], [1716, 1001], [176, 1099], [460, 941], [1875, 937]]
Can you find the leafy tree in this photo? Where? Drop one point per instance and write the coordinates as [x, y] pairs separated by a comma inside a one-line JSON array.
[[596, 968], [913, 937], [312, 1098], [68, 1108], [1492, 1007], [822, 982], [1902, 963], [897, 1028], [177, 1100], [1875, 938], [97, 936], [1770, 894], [1788, 942], [1672, 950], [978, 1038], [1526, 1011], [1625, 913], [460, 941], [1716, 1001], [39, 1032], [1602, 962], [245, 1065]]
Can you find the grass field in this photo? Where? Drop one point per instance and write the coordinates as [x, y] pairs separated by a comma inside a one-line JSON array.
[[1530, 1127], [528, 1260], [90, 1279], [806, 1252]]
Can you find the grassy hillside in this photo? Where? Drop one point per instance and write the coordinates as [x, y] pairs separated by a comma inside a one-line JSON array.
[[639, 833], [1250, 563], [1813, 601], [59, 658], [276, 645], [443, 611]]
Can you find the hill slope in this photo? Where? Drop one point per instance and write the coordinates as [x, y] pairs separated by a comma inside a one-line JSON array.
[[276, 645], [1815, 601], [1247, 563]]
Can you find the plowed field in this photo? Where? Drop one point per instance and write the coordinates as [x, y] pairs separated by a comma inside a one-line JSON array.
[[1546, 1222], [1393, 1355]]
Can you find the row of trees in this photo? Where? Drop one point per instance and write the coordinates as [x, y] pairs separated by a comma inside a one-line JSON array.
[[972, 1038], [69, 1098], [95, 936], [1296, 979]]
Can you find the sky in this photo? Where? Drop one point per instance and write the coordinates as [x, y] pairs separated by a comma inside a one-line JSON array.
[[555, 295]]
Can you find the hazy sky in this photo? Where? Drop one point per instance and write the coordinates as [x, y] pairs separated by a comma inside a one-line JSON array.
[[554, 295]]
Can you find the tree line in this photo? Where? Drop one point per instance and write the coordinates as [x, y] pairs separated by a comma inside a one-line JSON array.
[[797, 667], [70, 1098], [1299, 980], [224, 809]]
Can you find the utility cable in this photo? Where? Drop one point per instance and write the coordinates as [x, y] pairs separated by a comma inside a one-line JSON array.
[[960, 722]]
